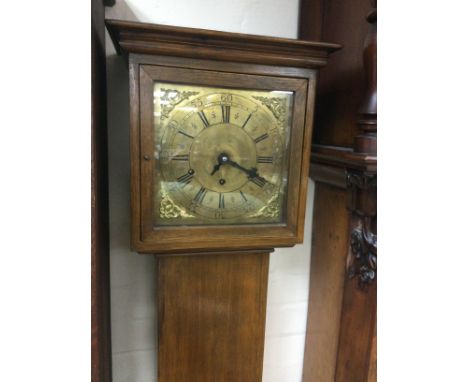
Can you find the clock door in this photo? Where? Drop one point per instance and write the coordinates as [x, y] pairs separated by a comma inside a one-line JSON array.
[[216, 158]]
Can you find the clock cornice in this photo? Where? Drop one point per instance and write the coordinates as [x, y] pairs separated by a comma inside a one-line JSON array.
[[154, 39]]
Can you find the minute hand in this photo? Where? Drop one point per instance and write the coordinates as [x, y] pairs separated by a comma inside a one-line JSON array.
[[252, 173]]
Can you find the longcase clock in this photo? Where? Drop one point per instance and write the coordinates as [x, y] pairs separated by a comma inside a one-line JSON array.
[[220, 135]]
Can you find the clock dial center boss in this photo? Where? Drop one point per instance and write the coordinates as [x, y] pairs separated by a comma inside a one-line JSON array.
[[219, 153], [223, 155]]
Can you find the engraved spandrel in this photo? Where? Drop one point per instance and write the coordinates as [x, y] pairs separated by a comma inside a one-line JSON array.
[[170, 210], [170, 98], [271, 209], [277, 105]]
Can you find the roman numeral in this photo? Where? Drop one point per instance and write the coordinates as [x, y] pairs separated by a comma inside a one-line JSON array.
[[247, 120], [261, 138], [243, 196], [183, 157], [186, 178], [203, 118], [258, 180], [200, 195], [226, 112], [184, 133], [221, 200], [261, 159]]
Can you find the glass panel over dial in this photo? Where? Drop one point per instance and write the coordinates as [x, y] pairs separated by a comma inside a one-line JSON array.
[[221, 155]]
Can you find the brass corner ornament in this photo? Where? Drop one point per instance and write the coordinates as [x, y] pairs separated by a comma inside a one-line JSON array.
[[170, 210], [272, 208], [276, 105], [171, 98]]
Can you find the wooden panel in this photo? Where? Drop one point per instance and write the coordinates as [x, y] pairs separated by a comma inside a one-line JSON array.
[[100, 305], [344, 155], [342, 83], [329, 249], [356, 355], [211, 317], [372, 375], [310, 20]]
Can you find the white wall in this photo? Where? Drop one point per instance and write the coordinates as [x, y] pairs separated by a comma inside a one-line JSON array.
[[132, 275]]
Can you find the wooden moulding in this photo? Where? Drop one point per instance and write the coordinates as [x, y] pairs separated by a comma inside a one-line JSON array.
[[131, 37], [332, 164], [344, 157]]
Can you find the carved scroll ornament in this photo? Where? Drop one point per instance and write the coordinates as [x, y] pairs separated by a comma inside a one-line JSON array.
[[362, 203], [363, 260]]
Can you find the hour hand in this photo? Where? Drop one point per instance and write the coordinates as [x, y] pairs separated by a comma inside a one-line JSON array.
[[222, 159], [216, 168]]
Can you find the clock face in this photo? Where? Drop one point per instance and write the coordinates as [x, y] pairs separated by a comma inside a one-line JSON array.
[[221, 155]]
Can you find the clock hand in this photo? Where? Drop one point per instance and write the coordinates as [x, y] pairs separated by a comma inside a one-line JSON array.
[[252, 173], [222, 159], [238, 166], [216, 168]]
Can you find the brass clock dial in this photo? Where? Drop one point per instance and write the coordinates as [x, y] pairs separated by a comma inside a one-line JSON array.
[[221, 155]]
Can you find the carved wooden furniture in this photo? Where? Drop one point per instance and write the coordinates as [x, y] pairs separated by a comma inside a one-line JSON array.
[[341, 331], [212, 277]]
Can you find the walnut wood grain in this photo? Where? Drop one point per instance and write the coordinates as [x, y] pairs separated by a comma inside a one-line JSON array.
[[311, 19], [211, 317], [356, 357], [100, 304], [327, 273], [372, 374]]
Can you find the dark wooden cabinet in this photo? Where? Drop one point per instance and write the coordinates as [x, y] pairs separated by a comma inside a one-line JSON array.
[[341, 329]]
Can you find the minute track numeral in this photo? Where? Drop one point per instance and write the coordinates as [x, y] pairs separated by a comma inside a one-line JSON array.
[[261, 138], [243, 196], [264, 159], [200, 195], [226, 113], [203, 118]]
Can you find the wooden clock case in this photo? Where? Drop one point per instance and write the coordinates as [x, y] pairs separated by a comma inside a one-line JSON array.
[[212, 304], [210, 58]]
